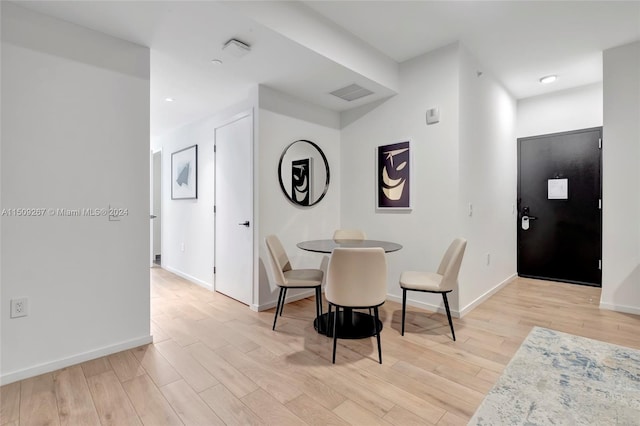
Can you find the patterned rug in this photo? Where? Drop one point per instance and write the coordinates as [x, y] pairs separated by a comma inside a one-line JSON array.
[[561, 379]]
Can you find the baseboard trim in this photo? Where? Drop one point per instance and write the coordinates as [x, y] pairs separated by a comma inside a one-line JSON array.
[[47, 367], [620, 308], [269, 305], [424, 305], [454, 313], [471, 306], [188, 277]]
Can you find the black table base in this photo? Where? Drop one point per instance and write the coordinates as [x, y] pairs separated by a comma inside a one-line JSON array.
[[351, 325]]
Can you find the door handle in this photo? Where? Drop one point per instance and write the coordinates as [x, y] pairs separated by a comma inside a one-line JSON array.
[[245, 223], [525, 213], [152, 216]]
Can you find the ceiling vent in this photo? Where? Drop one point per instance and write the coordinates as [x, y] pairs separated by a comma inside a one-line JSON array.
[[352, 92], [236, 47]]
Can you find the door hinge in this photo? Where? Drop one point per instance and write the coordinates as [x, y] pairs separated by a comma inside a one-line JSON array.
[[600, 264], [214, 270], [214, 149], [600, 203], [214, 209], [599, 143]]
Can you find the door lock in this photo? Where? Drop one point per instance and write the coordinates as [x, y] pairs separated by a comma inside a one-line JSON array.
[[245, 223], [525, 218]]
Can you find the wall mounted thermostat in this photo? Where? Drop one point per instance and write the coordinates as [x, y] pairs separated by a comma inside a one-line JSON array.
[[433, 115]]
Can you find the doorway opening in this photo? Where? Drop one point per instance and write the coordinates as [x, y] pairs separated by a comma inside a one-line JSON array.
[[156, 208]]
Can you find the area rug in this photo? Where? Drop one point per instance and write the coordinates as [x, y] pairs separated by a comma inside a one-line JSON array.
[[561, 379]]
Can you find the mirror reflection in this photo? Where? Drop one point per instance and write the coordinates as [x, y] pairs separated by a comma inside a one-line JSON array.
[[304, 173]]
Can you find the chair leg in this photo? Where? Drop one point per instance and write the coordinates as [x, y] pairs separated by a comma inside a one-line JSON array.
[[284, 297], [446, 305], [404, 307], [375, 310], [318, 302], [335, 333], [275, 317], [328, 324]]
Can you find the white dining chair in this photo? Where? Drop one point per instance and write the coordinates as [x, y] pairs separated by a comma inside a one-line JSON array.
[[444, 281], [349, 234], [286, 277], [356, 279]]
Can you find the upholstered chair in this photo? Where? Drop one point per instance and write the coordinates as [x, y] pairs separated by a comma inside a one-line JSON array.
[[444, 281], [356, 279], [286, 277]]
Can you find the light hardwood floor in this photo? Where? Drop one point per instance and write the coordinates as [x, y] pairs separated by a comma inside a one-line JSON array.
[[213, 361]]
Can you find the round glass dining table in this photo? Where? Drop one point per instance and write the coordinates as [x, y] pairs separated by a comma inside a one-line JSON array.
[[351, 324]]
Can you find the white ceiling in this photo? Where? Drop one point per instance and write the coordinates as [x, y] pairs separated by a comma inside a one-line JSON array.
[[517, 41]]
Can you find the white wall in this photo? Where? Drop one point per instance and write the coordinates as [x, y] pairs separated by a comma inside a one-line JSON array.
[[191, 222], [468, 157], [293, 120], [487, 175], [621, 180], [563, 111], [75, 134], [428, 81]]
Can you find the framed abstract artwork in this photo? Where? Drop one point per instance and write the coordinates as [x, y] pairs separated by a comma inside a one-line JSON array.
[[184, 174], [393, 189], [301, 186]]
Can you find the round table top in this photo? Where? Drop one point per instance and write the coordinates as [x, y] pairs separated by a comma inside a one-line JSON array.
[[327, 246]]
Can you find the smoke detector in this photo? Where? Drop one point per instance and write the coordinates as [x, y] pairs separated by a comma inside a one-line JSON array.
[[236, 48]]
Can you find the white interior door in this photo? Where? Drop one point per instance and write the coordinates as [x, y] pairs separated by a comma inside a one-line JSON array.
[[234, 209]]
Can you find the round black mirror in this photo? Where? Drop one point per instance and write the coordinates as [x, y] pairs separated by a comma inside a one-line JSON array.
[[303, 172]]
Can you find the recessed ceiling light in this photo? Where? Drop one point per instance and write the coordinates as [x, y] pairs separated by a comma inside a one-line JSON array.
[[548, 79], [216, 62], [169, 99]]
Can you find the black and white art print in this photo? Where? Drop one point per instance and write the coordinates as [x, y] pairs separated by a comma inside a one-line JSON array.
[[184, 174], [394, 176], [301, 181]]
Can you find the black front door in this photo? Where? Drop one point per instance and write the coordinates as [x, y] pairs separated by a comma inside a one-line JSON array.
[[559, 207]]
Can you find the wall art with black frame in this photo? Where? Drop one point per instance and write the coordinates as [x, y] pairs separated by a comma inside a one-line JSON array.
[[393, 170]]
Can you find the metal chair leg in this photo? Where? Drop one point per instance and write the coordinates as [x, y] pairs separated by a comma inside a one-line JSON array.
[[335, 333], [318, 302], [284, 297], [328, 324], [404, 308], [375, 310], [446, 305], [275, 317]]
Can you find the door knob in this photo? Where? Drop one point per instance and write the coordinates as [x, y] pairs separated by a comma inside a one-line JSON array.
[[245, 223]]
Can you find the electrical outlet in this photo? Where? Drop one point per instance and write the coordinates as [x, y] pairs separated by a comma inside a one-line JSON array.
[[19, 307], [182, 247]]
